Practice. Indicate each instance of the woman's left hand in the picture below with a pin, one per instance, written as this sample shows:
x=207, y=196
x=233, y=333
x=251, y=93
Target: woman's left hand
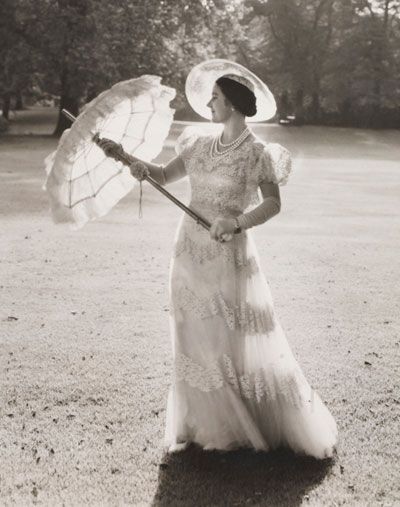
x=222, y=226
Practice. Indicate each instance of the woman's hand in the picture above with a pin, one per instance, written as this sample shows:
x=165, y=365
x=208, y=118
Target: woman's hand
x=139, y=170
x=221, y=227
x=110, y=148
x=114, y=150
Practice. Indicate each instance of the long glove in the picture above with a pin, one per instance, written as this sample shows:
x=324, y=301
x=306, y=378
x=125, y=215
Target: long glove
x=270, y=207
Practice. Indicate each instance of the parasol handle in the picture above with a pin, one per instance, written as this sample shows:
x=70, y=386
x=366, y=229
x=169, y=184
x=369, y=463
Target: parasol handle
x=125, y=159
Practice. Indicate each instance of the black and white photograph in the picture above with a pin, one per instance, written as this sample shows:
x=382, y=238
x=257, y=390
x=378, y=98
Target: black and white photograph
x=200, y=221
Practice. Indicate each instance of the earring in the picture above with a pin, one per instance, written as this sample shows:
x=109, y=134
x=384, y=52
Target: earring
x=233, y=108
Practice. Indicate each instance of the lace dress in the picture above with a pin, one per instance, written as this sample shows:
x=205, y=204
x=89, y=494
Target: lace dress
x=236, y=382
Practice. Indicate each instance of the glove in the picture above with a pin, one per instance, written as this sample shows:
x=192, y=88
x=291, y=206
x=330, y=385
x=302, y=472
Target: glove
x=263, y=212
x=139, y=170
x=110, y=148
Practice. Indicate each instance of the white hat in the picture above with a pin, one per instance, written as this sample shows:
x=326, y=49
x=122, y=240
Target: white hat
x=201, y=79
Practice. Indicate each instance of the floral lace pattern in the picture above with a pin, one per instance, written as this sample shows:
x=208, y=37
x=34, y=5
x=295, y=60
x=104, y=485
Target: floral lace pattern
x=231, y=181
x=275, y=164
x=241, y=316
x=262, y=383
x=210, y=250
x=236, y=382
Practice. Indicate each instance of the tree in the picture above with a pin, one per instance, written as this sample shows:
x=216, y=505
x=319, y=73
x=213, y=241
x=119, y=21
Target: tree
x=327, y=57
x=363, y=71
x=330, y=55
x=380, y=22
x=87, y=45
x=17, y=71
x=299, y=35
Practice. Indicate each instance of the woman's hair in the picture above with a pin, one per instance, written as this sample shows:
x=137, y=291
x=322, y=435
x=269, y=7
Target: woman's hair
x=241, y=97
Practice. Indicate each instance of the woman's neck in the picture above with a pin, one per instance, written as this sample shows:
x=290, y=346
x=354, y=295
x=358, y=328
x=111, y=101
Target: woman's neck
x=232, y=130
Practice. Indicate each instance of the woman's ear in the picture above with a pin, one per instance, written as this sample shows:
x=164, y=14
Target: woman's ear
x=228, y=104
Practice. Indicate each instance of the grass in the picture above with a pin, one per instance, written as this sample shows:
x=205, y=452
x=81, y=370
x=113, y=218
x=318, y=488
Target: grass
x=85, y=346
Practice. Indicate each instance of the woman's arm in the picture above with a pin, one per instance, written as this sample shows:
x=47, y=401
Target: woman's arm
x=163, y=175
x=270, y=207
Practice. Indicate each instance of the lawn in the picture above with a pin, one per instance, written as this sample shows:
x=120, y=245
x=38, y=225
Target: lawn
x=85, y=346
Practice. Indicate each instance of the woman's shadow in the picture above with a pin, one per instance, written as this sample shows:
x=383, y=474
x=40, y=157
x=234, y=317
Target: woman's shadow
x=203, y=478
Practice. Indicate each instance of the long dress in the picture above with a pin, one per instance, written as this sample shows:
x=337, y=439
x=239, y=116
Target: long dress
x=236, y=383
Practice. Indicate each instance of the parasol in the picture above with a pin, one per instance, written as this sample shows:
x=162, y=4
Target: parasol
x=83, y=183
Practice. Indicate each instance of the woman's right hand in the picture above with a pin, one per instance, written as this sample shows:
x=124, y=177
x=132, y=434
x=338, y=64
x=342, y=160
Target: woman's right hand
x=110, y=147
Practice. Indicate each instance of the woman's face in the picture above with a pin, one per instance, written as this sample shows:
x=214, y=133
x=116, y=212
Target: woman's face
x=220, y=107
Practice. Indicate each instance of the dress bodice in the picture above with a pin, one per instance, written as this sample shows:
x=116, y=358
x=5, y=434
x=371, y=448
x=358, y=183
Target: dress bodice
x=228, y=183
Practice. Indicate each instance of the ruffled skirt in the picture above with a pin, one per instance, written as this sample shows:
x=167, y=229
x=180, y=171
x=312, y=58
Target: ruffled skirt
x=236, y=383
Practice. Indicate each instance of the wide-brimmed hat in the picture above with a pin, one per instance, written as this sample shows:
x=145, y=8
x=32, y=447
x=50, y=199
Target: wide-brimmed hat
x=201, y=79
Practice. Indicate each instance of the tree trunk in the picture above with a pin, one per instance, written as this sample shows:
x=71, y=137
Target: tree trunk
x=299, y=106
x=6, y=105
x=19, y=105
x=72, y=105
x=315, y=106
x=67, y=101
x=284, y=106
x=345, y=111
x=379, y=65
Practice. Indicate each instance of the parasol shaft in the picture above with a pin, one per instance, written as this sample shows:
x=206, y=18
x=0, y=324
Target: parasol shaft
x=124, y=158
x=68, y=115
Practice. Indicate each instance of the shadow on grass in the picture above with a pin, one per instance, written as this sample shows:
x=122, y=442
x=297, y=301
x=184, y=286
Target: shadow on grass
x=204, y=478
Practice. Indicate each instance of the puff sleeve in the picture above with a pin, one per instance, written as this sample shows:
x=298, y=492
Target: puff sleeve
x=185, y=142
x=274, y=164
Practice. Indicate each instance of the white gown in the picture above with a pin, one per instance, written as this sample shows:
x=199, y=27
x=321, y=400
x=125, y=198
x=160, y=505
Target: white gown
x=236, y=383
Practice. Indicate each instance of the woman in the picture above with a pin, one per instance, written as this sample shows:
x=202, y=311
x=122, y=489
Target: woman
x=236, y=383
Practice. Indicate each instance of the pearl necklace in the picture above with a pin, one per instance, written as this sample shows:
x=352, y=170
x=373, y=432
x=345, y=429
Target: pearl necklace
x=215, y=152
x=244, y=132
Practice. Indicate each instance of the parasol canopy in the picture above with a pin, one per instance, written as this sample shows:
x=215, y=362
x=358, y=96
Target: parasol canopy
x=82, y=182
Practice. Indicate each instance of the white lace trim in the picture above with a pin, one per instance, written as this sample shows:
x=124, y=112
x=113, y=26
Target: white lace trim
x=230, y=181
x=275, y=164
x=242, y=316
x=186, y=141
x=209, y=251
x=233, y=179
x=270, y=383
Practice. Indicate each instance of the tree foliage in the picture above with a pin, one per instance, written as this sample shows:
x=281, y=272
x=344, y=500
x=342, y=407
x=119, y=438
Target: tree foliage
x=332, y=57
x=325, y=60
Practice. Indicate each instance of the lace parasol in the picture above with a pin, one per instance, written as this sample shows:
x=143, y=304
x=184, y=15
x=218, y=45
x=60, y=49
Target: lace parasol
x=82, y=182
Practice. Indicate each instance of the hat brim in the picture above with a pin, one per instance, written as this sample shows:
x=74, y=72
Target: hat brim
x=201, y=79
